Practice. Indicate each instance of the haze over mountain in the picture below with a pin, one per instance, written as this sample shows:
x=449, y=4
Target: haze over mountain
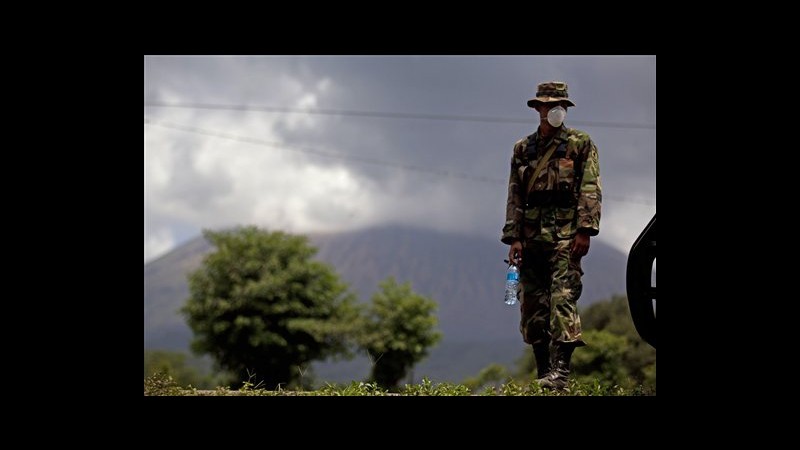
x=463, y=274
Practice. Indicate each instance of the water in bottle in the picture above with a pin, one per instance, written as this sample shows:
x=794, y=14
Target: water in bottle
x=512, y=282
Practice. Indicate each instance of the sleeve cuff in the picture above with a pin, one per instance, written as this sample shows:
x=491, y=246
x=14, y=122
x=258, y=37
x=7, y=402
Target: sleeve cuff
x=510, y=233
x=508, y=240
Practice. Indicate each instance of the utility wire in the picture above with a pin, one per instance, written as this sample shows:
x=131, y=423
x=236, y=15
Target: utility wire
x=362, y=159
x=328, y=154
x=386, y=115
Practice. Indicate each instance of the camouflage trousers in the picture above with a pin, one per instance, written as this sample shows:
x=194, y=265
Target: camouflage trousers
x=550, y=280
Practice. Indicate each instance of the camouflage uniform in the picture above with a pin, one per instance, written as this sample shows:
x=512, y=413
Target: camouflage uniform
x=564, y=198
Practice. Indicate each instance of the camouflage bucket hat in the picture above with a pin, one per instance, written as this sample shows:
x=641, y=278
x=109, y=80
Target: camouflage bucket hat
x=553, y=91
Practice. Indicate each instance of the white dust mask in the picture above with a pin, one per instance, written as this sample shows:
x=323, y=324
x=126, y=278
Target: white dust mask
x=555, y=116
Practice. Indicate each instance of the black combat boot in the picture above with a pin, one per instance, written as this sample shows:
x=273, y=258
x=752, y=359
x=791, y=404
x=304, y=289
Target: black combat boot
x=542, y=354
x=560, y=353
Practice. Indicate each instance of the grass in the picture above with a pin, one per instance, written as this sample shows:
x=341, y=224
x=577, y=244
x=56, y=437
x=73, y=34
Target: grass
x=164, y=385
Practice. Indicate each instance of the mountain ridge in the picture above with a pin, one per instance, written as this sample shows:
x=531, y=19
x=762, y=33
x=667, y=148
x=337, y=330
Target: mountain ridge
x=464, y=274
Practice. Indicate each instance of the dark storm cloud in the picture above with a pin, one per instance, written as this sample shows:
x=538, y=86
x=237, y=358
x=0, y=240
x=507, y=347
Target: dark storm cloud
x=605, y=89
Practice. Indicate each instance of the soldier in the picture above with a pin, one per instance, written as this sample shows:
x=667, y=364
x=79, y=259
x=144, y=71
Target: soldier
x=553, y=208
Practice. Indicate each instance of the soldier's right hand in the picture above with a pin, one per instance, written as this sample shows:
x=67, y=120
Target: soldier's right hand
x=515, y=253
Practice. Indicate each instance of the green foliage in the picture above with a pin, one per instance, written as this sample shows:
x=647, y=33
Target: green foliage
x=260, y=305
x=175, y=364
x=512, y=389
x=637, y=357
x=441, y=389
x=574, y=388
x=603, y=360
x=172, y=364
x=161, y=384
x=493, y=373
x=397, y=330
x=593, y=388
x=613, y=316
x=615, y=355
x=355, y=388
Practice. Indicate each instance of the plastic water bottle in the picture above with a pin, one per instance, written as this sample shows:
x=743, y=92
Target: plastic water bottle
x=512, y=282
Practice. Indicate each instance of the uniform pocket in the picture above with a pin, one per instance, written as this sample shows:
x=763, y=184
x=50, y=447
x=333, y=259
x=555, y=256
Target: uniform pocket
x=563, y=214
x=565, y=222
x=531, y=224
x=532, y=214
x=566, y=174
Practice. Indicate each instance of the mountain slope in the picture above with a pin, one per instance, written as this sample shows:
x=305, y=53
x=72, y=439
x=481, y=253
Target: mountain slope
x=463, y=274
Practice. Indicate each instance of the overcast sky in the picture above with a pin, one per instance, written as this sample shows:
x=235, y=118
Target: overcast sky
x=301, y=172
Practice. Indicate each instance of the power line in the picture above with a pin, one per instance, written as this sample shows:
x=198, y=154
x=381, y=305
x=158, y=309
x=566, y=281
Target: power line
x=387, y=115
x=327, y=154
x=362, y=159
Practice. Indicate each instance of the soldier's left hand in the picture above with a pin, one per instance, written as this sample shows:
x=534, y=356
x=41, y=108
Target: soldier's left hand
x=581, y=245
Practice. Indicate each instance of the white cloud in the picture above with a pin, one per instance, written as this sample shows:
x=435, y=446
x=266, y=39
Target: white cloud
x=214, y=182
x=157, y=242
x=622, y=223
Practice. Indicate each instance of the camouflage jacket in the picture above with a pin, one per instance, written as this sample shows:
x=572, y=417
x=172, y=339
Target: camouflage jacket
x=566, y=195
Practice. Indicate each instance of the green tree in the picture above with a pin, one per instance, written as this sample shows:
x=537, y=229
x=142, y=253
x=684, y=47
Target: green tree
x=603, y=359
x=397, y=330
x=639, y=358
x=260, y=305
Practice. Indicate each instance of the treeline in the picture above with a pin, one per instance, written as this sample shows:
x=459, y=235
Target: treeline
x=264, y=310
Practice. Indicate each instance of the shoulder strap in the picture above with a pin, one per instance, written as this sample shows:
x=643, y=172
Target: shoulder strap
x=539, y=167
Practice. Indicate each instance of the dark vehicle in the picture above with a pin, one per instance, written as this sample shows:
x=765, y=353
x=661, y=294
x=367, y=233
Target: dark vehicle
x=641, y=294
